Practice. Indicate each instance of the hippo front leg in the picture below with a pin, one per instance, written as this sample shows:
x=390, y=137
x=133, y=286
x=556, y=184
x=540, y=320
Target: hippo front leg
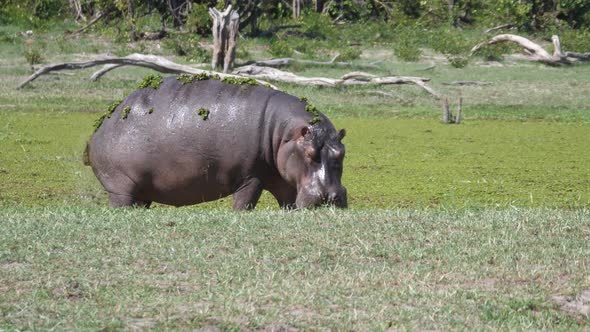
x=119, y=201
x=285, y=196
x=247, y=196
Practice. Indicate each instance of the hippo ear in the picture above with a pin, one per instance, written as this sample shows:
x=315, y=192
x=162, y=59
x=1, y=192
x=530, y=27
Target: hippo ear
x=306, y=133
x=341, y=133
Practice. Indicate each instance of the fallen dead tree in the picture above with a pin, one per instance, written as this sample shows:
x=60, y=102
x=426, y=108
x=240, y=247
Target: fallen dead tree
x=534, y=52
x=480, y=83
x=283, y=62
x=148, y=61
x=261, y=74
x=96, y=18
x=354, y=78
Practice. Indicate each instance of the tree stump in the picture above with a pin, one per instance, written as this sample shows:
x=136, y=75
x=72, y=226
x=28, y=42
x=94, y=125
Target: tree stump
x=447, y=115
x=296, y=8
x=446, y=112
x=225, y=33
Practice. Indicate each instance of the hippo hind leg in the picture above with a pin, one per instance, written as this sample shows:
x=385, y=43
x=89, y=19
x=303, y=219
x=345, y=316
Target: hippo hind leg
x=121, y=200
x=123, y=191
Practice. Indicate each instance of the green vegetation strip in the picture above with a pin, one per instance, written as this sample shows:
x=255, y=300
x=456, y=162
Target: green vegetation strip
x=151, y=80
x=389, y=163
x=203, y=113
x=171, y=269
x=125, y=112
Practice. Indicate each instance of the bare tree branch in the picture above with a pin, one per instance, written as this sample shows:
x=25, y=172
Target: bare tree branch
x=92, y=22
x=261, y=74
x=148, y=61
x=355, y=78
x=282, y=62
x=467, y=83
x=535, y=52
x=104, y=70
x=499, y=27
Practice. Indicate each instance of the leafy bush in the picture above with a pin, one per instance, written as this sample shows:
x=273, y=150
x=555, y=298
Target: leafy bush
x=188, y=47
x=458, y=61
x=46, y=9
x=7, y=37
x=316, y=25
x=453, y=43
x=242, y=53
x=280, y=49
x=407, y=50
x=309, y=47
x=406, y=44
x=349, y=54
x=33, y=56
x=31, y=13
x=575, y=40
x=198, y=19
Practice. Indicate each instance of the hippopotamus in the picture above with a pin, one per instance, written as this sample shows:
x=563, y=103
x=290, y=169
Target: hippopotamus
x=188, y=139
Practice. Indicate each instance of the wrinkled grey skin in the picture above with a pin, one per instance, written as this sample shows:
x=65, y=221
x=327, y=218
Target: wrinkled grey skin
x=254, y=139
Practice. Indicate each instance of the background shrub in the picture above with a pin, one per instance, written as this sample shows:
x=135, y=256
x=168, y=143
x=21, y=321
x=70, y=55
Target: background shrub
x=280, y=49
x=349, y=54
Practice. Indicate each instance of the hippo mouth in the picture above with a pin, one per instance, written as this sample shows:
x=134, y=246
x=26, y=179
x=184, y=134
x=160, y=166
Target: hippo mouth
x=333, y=199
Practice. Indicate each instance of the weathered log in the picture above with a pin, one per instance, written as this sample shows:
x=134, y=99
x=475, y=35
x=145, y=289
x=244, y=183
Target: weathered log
x=381, y=93
x=354, y=78
x=578, y=56
x=148, y=61
x=104, y=70
x=75, y=4
x=225, y=33
x=459, y=111
x=431, y=67
x=499, y=27
x=467, y=83
x=261, y=74
x=270, y=32
x=282, y=62
x=446, y=112
x=91, y=23
x=534, y=51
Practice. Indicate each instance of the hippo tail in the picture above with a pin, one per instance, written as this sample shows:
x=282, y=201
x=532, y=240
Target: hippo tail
x=86, y=155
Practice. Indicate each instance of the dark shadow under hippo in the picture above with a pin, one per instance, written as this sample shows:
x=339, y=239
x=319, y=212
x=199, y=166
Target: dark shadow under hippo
x=190, y=140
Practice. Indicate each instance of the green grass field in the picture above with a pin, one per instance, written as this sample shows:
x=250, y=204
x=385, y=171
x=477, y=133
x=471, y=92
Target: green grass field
x=482, y=225
x=168, y=269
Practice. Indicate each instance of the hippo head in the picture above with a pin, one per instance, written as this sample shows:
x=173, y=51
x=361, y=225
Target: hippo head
x=312, y=162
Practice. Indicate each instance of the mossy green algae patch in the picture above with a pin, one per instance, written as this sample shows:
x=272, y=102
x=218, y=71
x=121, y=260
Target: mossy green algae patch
x=152, y=80
x=313, y=111
x=389, y=163
x=422, y=163
x=107, y=115
x=188, y=78
x=125, y=112
x=203, y=113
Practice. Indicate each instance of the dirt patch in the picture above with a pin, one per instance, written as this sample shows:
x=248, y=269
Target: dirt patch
x=303, y=313
x=578, y=306
x=279, y=328
x=12, y=265
x=141, y=324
